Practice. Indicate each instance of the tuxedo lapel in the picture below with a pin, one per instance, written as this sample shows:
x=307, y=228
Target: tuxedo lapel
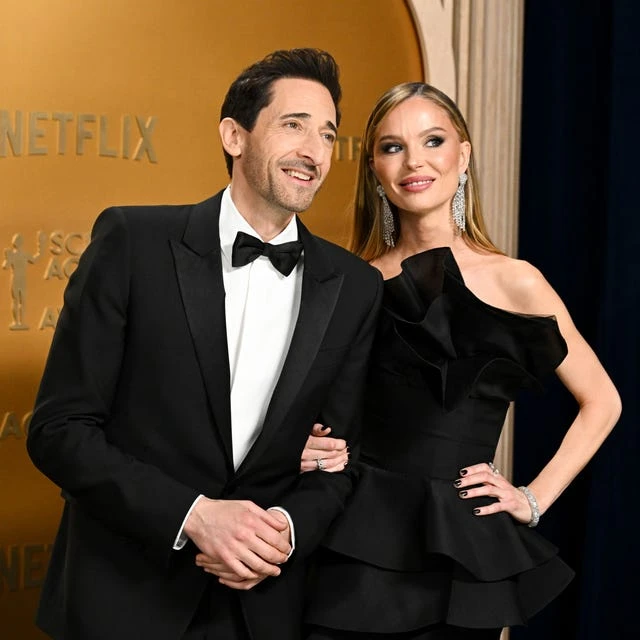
x=320, y=289
x=199, y=269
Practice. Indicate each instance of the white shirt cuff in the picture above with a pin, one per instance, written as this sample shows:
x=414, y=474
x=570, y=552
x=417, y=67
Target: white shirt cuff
x=292, y=531
x=181, y=538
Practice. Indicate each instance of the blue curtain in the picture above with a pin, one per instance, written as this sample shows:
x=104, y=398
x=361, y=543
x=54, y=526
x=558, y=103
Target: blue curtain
x=580, y=225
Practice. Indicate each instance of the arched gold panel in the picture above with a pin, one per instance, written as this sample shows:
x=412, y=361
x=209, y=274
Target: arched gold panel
x=117, y=102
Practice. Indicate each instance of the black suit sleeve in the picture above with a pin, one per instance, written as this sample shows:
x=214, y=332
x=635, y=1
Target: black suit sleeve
x=320, y=496
x=67, y=438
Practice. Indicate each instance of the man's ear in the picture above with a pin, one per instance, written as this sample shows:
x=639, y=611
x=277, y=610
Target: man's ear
x=232, y=137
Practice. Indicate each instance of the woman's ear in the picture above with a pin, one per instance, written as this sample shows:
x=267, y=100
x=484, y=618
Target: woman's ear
x=373, y=171
x=232, y=137
x=465, y=155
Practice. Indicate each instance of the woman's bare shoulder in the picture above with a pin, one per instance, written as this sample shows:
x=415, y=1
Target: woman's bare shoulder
x=525, y=286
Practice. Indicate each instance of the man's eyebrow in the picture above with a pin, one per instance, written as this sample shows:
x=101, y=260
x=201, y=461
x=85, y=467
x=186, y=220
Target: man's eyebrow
x=332, y=126
x=305, y=116
x=302, y=115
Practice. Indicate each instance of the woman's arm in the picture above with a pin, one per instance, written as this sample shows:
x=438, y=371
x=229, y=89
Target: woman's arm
x=582, y=374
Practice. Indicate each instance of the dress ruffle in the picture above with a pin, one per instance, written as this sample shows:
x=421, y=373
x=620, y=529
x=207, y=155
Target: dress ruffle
x=476, y=349
x=408, y=552
x=418, y=517
x=381, y=601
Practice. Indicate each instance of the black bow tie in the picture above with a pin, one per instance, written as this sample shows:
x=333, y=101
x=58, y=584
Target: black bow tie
x=283, y=257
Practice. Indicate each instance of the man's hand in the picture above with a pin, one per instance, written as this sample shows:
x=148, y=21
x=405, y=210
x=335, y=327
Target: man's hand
x=284, y=523
x=230, y=579
x=240, y=542
x=226, y=575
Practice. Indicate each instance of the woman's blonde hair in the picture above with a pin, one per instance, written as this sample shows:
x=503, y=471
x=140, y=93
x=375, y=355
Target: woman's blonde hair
x=366, y=235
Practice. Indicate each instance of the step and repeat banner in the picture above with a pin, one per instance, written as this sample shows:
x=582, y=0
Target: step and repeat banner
x=117, y=102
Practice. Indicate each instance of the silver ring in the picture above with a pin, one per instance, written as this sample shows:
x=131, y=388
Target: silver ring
x=320, y=464
x=494, y=469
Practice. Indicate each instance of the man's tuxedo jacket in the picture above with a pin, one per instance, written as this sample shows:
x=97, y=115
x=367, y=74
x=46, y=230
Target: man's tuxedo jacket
x=132, y=421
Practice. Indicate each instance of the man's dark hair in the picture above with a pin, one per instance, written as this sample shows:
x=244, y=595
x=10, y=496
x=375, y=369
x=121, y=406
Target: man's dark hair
x=252, y=91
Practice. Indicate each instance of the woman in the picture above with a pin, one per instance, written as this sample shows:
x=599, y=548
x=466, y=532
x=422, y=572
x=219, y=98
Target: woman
x=434, y=543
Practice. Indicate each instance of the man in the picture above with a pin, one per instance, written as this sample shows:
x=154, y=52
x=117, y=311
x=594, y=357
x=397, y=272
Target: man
x=188, y=366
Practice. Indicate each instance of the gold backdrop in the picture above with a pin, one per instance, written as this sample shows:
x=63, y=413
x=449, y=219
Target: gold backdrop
x=116, y=102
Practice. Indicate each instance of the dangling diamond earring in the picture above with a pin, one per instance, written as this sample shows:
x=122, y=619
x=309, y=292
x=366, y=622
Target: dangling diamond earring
x=458, y=205
x=388, y=228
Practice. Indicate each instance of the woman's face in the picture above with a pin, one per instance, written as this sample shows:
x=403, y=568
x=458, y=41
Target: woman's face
x=418, y=156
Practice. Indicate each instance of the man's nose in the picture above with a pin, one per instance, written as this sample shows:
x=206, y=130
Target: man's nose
x=314, y=147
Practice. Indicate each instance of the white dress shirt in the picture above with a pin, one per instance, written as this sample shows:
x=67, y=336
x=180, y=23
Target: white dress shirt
x=261, y=310
x=261, y=307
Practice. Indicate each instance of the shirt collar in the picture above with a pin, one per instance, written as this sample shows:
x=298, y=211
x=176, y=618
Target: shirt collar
x=231, y=221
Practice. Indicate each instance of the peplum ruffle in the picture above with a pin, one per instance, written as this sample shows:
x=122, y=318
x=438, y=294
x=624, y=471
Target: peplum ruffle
x=408, y=552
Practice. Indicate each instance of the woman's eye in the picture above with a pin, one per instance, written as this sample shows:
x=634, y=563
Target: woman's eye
x=391, y=148
x=435, y=141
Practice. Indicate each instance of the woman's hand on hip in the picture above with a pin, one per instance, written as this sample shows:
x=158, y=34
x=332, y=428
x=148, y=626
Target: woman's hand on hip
x=485, y=480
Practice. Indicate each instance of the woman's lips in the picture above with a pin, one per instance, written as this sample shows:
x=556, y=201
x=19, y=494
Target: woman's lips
x=417, y=183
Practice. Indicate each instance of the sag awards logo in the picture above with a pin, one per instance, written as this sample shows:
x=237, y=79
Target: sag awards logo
x=52, y=257
x=58, y=253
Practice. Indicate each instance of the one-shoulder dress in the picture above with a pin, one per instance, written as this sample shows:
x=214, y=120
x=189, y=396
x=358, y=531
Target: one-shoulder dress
x=408, y=553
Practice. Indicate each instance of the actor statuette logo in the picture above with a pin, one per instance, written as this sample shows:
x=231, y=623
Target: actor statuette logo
x=56, y=257
x=17, y=259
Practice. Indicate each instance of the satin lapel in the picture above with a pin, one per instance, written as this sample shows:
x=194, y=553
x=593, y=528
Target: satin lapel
x=321, y=286
x=199, y=268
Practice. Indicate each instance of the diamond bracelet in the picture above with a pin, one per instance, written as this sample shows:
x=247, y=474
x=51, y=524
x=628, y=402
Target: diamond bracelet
x=533, y=505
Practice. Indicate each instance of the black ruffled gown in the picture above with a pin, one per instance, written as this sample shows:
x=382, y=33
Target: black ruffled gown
x=408, y=553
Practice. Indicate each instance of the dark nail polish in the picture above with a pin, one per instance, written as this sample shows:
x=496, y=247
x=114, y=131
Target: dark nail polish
x=457, y=483
x=463, y=472
x=462, y=494
x=476, y=512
